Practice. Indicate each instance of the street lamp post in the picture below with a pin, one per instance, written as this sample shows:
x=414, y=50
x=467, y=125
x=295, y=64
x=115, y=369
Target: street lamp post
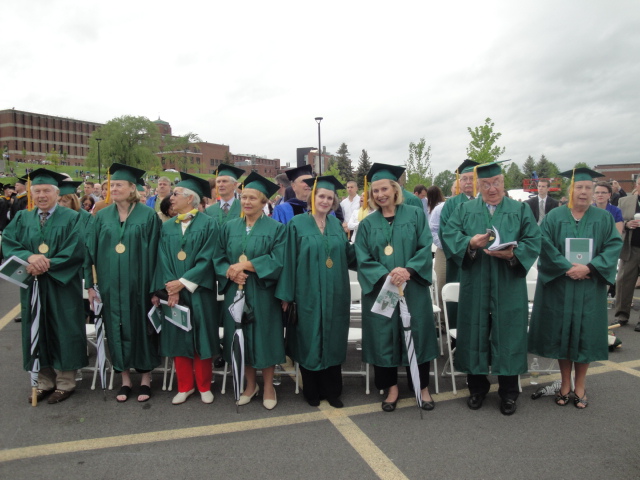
x=99, y=140
x=319, y=119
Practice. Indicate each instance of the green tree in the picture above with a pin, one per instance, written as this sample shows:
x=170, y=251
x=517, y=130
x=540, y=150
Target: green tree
x=529, y=167
x=364, y=165
x=343, y=163
x=513, y=178
x=128, y=140
x=227, y=160
x=445, y=180
x=176, y=150
x=335, y=171
x=482, y=148
x=581, y=165
x=419, y=165
x=545, y=168
x=54, y=158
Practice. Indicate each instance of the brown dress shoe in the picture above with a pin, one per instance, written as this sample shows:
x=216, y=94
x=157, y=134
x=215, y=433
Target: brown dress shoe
x=40, y=395
x=59, y=396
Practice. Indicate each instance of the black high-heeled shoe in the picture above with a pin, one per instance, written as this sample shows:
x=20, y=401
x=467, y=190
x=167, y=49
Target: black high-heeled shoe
x=428, y=406
x=389, y=406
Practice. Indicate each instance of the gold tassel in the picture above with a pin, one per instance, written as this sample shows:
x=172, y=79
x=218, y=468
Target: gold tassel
x=241, y=190
x=313, y=197
x=573, y=175
x=475, y=181
x=30, y=204
x=107, y=199
x=457, y=190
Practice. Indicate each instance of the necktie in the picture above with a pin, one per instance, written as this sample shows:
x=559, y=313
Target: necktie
x=225, y=207
x=541, y=213
x=43, y=218
x=492, y=208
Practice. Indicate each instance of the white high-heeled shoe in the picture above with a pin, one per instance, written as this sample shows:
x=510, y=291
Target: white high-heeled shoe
x=270, y=404
x=206, y=397
x=181, y=397
x=244, y=399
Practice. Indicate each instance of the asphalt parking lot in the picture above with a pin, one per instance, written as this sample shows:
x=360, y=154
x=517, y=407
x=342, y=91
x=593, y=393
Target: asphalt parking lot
x=89, y=436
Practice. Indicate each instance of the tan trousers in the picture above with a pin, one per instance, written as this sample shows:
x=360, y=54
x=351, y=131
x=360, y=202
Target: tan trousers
x=626, y=283
x=49, y=379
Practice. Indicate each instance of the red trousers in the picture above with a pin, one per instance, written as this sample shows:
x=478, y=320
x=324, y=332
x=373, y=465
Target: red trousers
x=193, y=371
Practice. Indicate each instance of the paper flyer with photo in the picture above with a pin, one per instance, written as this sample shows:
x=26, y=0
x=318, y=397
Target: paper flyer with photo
x=388, y=298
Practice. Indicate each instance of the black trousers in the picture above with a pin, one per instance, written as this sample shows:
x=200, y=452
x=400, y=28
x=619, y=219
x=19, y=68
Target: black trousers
x=508, y=386
x=322, y=384
x=386, y=377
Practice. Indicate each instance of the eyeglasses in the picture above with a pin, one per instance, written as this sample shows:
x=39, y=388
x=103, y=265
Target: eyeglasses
x=175, y=194
x=487, y=185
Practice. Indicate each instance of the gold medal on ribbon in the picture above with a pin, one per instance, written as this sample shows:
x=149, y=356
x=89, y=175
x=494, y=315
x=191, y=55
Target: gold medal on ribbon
x=43, y=248
x=120, y=248
x=329, y=263
x=182, y=255
x=388, y=250
x=243, y=258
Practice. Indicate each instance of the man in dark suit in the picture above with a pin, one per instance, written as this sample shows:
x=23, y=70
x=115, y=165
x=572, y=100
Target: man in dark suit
x=629, y=258
x=543, y=200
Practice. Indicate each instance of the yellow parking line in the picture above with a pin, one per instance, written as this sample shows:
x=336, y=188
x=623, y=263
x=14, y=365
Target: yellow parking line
x=361, y=443
x=626, y=367
x=159, y=436
x=9, y=316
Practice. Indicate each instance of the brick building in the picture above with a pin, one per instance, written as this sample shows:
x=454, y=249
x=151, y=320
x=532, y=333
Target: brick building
x=29, y=137
x=624, y=173
x=255, y=163
x=309, y=156
x=201, y=157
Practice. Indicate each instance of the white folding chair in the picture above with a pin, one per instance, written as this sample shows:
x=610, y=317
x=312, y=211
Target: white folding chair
x=437, y=310
x=450, y=293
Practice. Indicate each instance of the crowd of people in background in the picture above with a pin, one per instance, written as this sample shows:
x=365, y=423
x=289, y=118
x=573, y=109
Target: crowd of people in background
x=289, y=246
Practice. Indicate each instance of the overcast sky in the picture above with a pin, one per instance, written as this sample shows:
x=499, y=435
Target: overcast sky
x=560, y=78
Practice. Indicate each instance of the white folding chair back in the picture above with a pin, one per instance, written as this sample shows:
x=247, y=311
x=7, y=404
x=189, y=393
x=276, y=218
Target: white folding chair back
x=450, y=293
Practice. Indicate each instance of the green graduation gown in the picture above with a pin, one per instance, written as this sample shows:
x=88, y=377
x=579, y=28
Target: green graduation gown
x=200, y=243
x=452, y=270
x=322, y=295
x=383, y=338
x=264, y=338
x=124, y=280
x=492, y=332
x=215, y=212
x=63, y=342
x=569, y=319
x=411, y=199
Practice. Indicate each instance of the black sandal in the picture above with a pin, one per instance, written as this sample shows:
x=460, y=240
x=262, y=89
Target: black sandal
x=577, y=401
x=562, y=398
x=144, y=390
x=125, y=391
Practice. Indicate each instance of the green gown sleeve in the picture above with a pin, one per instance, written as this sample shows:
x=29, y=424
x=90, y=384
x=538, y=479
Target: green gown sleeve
x=200, y=273
x=553, y=263
x=220, y=261
x=268, y=267
x=370, y=271
x=528, y=248
x=286, y=289
x=606, y=262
